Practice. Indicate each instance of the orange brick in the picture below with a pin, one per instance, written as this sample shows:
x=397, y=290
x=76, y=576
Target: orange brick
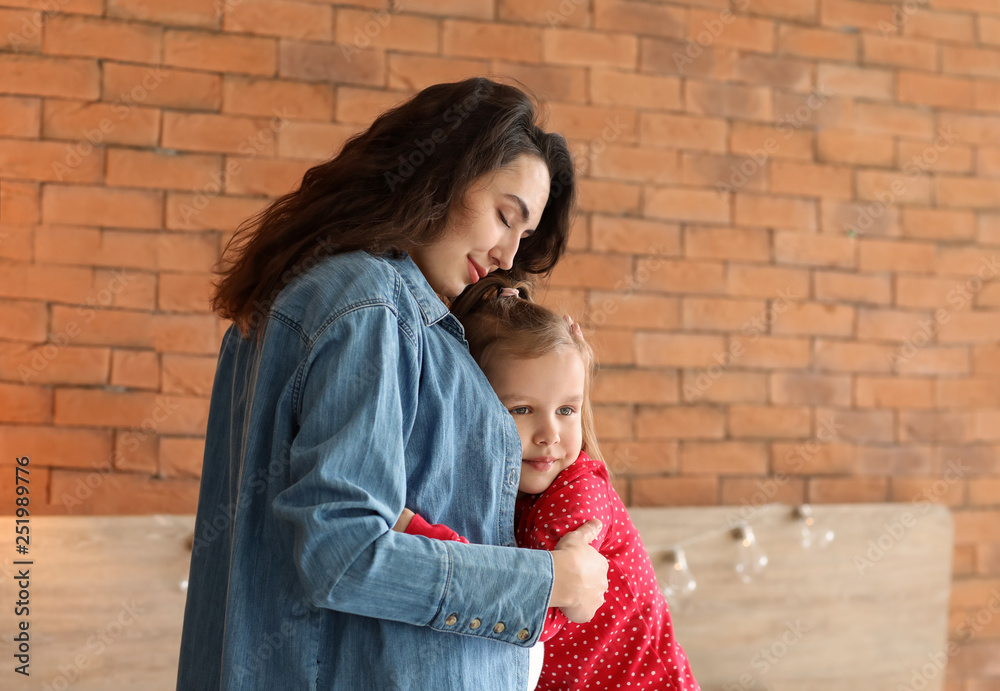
x=181, y=457
x=728, y=100
x=247, y=96
x=922, y=291
x=104, y=327
x=547, y=12
x=766, y=281
x=476, y=9
x=899, y=52
x=859, y=425
x=772, y=353
x=101, y=206
x=21, y=30
x=816, y=43
x=683, y=276
x=222, y=133
x=779, y=72
x=820, y=109
x=362, y=106
x=813, y=457
x=25, y=403
x=769, y=421
x=187, y=252
x=810, y=389
x=217, y=52
x=889, y=188
x=706, y=134
x=989, y=30
x=678, y=349
x=37, y=281
x=199, y=212
x=47, y=76
x=390, y=31
x=566, y=84
x=101, y=38
x=775, y=212
x=55, y=447
x=687, y=58
x=636, y=457
x=975, y=128
x=849, y=147
x=639, y=18
x=117, y=288
x=855, y=81
x=948, y=26
x=838, y=356
x=613, y=422
x=263, y=176
x=635, y=386
x=26, y=321
x=617, y=88
x=740, y=32
x=936, y=426
x=468, y=39
x=680, y=422
x=721, y=314
x=136, y=451
x=854, y=14
x=847, y=490
x=864, y=219
x=19, y=117
x=724, y=458
x=966, y=393
x=135, y=369
x=921, y=222
x=184, y=293
x=753, y=492
x=893, y=392
x=285, y=18
x=575, y=47
x=791, y=177
x=122, y=494
x=966, y=192
x=781, y=141
x=811, y=249
x=911, y=459
x=612, y=346
x=50, y=161
x=724, y=173
x=837, y=286
x=984, y=491
x=200, y=13
x=131, y=168
x=410, y=72
x=726, y=243
x=90, y=246
x=906, y=121
x=143, y=411
x=159, y=86
x=593, y=271
x=312, y=140
x=675, y=491
x=49, y=364
x=971, y=61
x=605, y=196
x=101, y=123
x=934, y=90
x=889, y=255
x=638, y=236
x=706, y=206
x=593, y=123
x=892, y=325
x=936, y=361
x=635, y=164
x=188, y=374
x=629, y=309
x=731, y=386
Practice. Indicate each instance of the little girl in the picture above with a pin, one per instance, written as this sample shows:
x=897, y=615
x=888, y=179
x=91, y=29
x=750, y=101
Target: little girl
x=541, y=368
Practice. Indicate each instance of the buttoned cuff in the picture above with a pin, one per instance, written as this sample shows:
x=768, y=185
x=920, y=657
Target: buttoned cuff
x=500, y=593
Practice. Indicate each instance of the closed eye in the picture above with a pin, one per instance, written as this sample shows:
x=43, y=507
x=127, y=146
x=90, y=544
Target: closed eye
x=503, y=219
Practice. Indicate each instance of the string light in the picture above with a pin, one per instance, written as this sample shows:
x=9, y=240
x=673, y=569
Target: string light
x=676, y=580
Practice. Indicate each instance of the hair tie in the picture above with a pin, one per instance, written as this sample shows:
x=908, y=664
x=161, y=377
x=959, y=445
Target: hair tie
x=510, y=292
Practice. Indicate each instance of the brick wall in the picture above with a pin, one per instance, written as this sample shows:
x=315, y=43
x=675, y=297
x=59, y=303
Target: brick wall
x=785, y=251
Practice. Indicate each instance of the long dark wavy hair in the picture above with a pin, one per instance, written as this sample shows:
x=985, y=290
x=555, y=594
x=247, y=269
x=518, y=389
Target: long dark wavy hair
x=391, y=188
x=504, y=327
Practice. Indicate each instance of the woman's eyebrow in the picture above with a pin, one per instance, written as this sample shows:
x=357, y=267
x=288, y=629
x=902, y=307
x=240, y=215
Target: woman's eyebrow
x=520, y=205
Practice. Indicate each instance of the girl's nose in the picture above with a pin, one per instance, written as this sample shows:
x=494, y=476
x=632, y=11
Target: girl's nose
x=547, y=435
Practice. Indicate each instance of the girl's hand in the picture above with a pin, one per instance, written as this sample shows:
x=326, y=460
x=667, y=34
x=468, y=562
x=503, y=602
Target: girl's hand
x=404, y=520
x=574, y=327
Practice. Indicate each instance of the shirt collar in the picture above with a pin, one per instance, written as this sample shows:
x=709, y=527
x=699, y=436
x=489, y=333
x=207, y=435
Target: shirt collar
x=431, y=306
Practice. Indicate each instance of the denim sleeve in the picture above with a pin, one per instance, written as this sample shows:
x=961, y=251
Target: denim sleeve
x=358, y=397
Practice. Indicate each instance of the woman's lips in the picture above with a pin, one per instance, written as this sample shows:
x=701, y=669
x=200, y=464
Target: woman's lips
x=475, y=271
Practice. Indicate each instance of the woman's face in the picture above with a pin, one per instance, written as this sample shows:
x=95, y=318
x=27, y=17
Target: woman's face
x=504, y=208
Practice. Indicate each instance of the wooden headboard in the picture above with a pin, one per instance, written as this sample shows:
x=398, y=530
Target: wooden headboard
x=107, y=602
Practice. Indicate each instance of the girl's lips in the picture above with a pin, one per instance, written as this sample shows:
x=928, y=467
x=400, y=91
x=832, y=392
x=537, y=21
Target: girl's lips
x=540, y=464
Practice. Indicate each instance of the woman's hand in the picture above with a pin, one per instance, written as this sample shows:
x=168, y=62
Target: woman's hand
x=581, y=574
x=404, y=520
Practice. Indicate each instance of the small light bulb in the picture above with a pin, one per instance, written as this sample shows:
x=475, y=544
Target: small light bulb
x=812, y=534
x=676, y=580
x=750, y=559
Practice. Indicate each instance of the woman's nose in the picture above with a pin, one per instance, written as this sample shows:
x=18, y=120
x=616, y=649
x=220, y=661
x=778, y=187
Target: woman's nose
x=505, y=250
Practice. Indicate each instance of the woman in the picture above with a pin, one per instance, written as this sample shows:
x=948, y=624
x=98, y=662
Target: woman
x=345, y=391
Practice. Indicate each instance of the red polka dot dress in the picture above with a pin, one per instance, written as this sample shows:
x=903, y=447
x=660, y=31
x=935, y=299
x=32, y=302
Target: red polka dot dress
x=629, y=644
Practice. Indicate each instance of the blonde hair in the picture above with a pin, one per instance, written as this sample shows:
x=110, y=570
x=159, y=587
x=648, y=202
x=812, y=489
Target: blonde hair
x=503, y=327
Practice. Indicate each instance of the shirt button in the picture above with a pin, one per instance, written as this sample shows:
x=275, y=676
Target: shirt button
x=523, y=634
x=452, y=618
x=499, y=627
x=475, y=624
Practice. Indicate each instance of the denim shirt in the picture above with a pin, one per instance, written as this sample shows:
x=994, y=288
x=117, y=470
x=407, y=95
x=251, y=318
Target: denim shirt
x=361, y=399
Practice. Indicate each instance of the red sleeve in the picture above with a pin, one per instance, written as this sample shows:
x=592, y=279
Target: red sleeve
x=562, y=512
x=418, y=526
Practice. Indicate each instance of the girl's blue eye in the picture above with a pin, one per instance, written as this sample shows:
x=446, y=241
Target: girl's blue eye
x=566, y=410
x=503, y=219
